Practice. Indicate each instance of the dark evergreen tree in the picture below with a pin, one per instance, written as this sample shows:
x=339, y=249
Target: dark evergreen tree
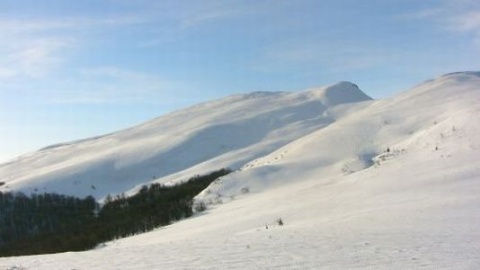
x=49, y=223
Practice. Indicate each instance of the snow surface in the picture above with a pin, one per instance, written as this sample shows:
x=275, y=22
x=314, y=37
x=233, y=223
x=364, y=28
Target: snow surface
x=388, y=184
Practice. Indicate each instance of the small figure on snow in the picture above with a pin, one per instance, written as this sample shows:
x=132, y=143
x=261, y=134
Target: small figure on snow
x=280, y=222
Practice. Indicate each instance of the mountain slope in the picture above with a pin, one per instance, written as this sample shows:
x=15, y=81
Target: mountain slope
x=223, y=133
x=390, y=184
x=425, y=118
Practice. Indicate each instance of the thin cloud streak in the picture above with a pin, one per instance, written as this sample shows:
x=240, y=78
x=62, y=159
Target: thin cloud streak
x=40, y=25
x=32, y=58
x=40, y=56
x=36, y=48
x=454, y=16
x=187, y=18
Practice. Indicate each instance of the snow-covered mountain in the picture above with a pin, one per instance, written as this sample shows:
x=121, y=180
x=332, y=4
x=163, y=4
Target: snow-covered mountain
x=225, y=133
x=360, y=184
x=426, y=118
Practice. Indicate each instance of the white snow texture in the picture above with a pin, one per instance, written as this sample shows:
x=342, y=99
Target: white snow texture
x=359, y=183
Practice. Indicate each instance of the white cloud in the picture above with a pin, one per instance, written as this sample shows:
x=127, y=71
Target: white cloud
x=31, y=57
x=179, y=18
x=466, y=22
x=45, y=25
x=455, y=16
x=42, y=49
x=6, y=73
x=34, y=48
x=27, y=51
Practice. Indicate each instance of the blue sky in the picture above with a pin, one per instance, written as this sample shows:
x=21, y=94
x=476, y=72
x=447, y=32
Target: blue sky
x=73, y=69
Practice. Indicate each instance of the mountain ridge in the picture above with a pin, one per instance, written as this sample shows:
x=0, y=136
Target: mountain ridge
x=208, y=132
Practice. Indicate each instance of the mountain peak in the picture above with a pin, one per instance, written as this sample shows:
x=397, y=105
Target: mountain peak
x=339, y=93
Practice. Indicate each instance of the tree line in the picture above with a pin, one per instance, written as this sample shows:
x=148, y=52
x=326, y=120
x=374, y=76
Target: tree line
x=51, y=223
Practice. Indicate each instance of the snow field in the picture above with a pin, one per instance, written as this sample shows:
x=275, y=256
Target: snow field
x=388, y=184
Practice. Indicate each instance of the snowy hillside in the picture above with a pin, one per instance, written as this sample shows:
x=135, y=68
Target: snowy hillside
x=387, y=184
x=224, y=133
x=426, y=118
